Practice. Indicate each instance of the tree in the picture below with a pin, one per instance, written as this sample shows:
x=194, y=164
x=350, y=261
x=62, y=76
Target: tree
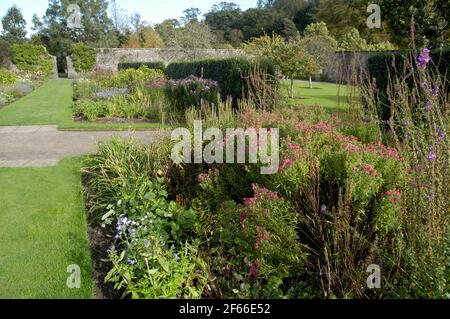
x=168, y=31
x=353, y=41
x=224, y=22
x=320, y=45
x=290, y=57
x=431, y=20
x=190, y=14
x=134, y=41
x=119, y=17
x=195, y=35
x=151, y=38
x=96, y=28
x=306, y=15
x=14, y=26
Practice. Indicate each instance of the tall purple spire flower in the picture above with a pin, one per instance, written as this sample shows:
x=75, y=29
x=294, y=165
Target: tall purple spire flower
x=424, y=58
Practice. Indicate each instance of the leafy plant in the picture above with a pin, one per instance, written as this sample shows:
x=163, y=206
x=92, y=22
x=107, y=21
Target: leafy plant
x=83, y=57
x=33, y=58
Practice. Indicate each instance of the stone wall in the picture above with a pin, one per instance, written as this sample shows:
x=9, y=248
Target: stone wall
x=107, y=60
x=344, y=66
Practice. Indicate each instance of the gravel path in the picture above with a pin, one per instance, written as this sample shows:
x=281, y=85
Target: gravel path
x=39, y=146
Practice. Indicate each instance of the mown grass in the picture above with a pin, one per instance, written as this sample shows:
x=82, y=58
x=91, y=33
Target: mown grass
x=332, y=97
x=43, y=231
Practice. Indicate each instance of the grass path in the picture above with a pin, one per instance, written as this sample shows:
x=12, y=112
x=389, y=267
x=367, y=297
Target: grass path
x=51, y=104
x=43, y=231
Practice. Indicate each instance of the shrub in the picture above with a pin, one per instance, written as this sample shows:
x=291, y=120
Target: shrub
x=83, y=57
x=192, y=91
x=136, y=65
x=31, y=58
x=229, y=73
x=258, y=245
x=7, y=77
x=131, y=77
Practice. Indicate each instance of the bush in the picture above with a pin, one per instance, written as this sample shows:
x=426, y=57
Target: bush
x=83, y=57
x=7, y=77
x=229, y=73
x=132, y=77
x=32, y=58
x=136, y=65
x=192, y=91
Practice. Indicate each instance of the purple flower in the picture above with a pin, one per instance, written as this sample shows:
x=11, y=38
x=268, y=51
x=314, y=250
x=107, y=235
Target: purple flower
x=435, y=90
x=132, y=261
x=323, y=209
x=431, y=156
x=441, y=134
x=428, y=107
x=430, y=195
x=424, y=58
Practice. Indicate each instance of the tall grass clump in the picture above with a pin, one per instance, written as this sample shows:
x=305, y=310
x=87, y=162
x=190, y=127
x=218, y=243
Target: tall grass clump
x=418, y=98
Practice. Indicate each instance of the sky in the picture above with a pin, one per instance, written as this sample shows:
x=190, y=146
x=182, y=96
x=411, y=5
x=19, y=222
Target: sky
x=153, y=11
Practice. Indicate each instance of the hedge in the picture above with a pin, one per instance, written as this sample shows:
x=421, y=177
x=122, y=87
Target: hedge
x=230, y=73
x=31, y=58
x=136, y=65
x=83, y=57
x=381, y=65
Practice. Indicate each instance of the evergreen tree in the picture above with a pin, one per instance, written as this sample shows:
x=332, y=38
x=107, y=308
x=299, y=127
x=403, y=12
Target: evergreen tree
x=14, y=26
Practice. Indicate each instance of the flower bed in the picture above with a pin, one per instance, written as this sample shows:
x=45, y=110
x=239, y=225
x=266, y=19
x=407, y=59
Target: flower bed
x=225, y=231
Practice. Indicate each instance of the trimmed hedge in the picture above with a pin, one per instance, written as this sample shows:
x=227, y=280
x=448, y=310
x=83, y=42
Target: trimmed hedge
x=229, y=73
x=381, y=65
x=31, y=58
x=83, y=57
x=136, y=65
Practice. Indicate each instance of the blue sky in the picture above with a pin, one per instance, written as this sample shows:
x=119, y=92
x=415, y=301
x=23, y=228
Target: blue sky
x=151, y=10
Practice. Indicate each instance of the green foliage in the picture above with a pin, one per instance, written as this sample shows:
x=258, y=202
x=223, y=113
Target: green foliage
x=417, y=97
x=130, y=94
x=192, y=91
x=32, y=58
x=14, y=26
x=83, y=57
x=5, y=53
x=154, y=256
x=136, y=65
x=382, y=66
x=132, y=77
x=229, y=73
x=7, y=77
x=260, y=250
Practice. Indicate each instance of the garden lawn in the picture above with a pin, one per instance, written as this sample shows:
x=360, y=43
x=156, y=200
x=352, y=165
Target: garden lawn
x=43, y=231
x=331, y=96
x=51, y=104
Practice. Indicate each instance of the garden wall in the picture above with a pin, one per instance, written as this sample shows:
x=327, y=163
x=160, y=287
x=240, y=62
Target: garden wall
x=107, y=60
x=345, y=67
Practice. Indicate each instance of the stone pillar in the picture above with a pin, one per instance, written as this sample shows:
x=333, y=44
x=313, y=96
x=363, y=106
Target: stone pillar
x=71, y=72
